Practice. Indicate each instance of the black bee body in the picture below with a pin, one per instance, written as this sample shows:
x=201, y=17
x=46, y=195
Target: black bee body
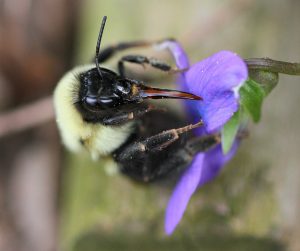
x=107, y=114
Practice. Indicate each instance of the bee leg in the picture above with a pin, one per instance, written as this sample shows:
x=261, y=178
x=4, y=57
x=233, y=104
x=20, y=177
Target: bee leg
x=138, y=159
x=148, y=161
x=181, y=158
x=110, y=51
x=158, y=141
x=166, y=138
x=142, y=60
x=202, y=144
x=122, y=117
x=205, y=143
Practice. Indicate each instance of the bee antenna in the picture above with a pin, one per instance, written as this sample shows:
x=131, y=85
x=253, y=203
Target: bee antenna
x=98, y=46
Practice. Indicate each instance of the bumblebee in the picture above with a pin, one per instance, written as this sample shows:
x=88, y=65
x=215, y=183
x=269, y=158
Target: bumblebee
x=107, y=114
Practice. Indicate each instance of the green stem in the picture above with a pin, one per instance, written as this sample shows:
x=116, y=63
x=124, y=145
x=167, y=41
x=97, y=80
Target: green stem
x=271, y=65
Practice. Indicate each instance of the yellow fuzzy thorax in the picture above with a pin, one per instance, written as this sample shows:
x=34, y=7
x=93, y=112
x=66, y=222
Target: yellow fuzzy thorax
x=77, y=134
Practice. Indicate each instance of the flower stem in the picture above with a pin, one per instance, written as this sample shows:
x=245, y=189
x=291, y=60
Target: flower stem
x=271, y=65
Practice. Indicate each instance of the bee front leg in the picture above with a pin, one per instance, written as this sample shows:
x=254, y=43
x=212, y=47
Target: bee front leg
x=127, y=115
x=142, y=60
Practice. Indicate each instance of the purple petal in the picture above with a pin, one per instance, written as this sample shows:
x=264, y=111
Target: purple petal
x=216, y=79
x=217, y=110
x=183, y=191
x=214, y=161
x=177, y=51
x=219, y=72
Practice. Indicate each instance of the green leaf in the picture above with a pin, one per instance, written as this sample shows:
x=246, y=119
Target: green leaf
x=251, y=98
x=267, y=80
x=229, y=132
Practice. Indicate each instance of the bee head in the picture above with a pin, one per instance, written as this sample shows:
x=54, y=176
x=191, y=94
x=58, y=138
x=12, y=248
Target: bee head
x=109, y=91
x=106, y=91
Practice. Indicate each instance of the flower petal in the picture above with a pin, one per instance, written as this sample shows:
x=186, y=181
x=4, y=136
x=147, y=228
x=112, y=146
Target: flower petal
x=214, y=161
x=218, y=110
x=185, y=188
x=221, y=71
x=216, y=79
x=181, y=59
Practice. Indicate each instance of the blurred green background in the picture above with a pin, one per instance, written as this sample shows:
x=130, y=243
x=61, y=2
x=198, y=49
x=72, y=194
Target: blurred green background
x=255, y=203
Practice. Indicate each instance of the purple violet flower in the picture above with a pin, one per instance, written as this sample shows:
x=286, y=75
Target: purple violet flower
x=217, y=80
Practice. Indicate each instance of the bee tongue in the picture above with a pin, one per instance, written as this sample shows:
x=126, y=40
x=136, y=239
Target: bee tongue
x=156, y=93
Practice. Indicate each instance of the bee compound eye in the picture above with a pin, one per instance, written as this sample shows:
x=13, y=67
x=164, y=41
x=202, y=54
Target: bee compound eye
x=106, y=101
x=91, y=101
x=102, y=103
